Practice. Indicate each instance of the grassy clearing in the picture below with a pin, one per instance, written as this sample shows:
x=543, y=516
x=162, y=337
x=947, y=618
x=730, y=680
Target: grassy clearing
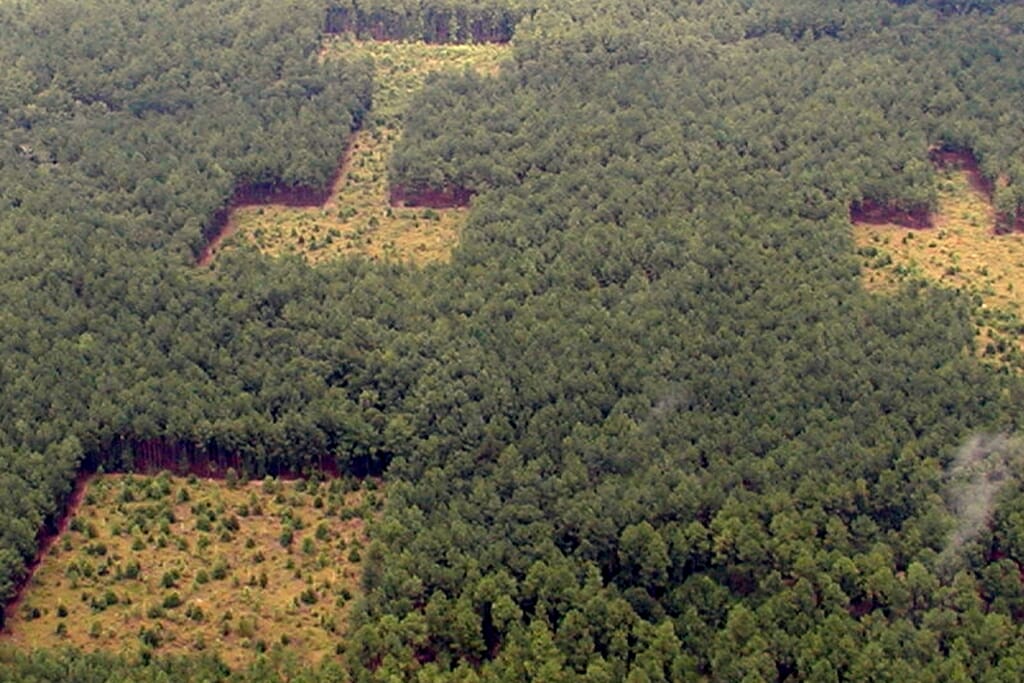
x=358, y=219
x=172, y=565
x=961, y=251
x=401, y=69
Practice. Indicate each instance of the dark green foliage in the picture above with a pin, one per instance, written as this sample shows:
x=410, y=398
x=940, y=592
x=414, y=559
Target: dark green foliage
x=150, y=637
x=170, y=578
x=645, y=426
x=132, y=570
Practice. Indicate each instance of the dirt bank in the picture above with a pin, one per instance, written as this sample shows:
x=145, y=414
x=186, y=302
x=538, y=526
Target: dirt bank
x=48, y=535
x=448, y=197
x=871, y=212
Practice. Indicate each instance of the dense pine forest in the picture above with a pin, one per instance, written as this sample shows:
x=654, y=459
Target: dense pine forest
x=646, y=424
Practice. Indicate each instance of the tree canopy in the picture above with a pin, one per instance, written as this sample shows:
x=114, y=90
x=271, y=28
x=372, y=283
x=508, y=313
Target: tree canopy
x=645, y=426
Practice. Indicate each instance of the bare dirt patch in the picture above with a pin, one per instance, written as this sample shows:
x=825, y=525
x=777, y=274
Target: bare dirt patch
x=171, y=565
x=266, y=195
x=964, y=161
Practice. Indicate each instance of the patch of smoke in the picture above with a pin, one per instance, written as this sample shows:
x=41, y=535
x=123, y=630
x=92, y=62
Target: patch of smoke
x=980, y=470
x=677, y=397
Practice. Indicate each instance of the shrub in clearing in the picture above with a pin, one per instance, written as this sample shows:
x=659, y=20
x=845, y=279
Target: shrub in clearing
x=150, y=637
x=220, y=569
x=246, y=627
x=132, y=570
x=170, y=579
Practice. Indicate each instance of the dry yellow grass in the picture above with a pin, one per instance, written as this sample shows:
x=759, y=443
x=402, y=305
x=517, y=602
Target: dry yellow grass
x=358, y=219
x=961, y=251
x=219, y=550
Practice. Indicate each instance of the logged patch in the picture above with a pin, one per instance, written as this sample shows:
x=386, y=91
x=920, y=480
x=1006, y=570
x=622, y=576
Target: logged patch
x=173, y=565
x=962, y=250
x=360, y=214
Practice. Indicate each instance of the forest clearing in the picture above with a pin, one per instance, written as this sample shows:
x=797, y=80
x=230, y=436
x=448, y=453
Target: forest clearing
x=174, y=565
x=962, y=251
x=358, y=216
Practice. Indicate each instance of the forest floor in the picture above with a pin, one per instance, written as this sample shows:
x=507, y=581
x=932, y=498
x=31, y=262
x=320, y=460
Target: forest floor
x=961, y=251
x=358, y=217
x=173, y=565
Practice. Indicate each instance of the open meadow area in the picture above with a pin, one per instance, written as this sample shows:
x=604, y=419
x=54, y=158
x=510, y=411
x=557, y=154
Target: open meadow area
x=178, y=565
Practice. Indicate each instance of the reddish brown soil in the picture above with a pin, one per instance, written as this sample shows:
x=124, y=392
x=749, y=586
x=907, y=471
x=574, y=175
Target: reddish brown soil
x=219, y=231
x=872, y=213
x=339, y=20
x=151, y=456
x=47, y=537
x=445, y=198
